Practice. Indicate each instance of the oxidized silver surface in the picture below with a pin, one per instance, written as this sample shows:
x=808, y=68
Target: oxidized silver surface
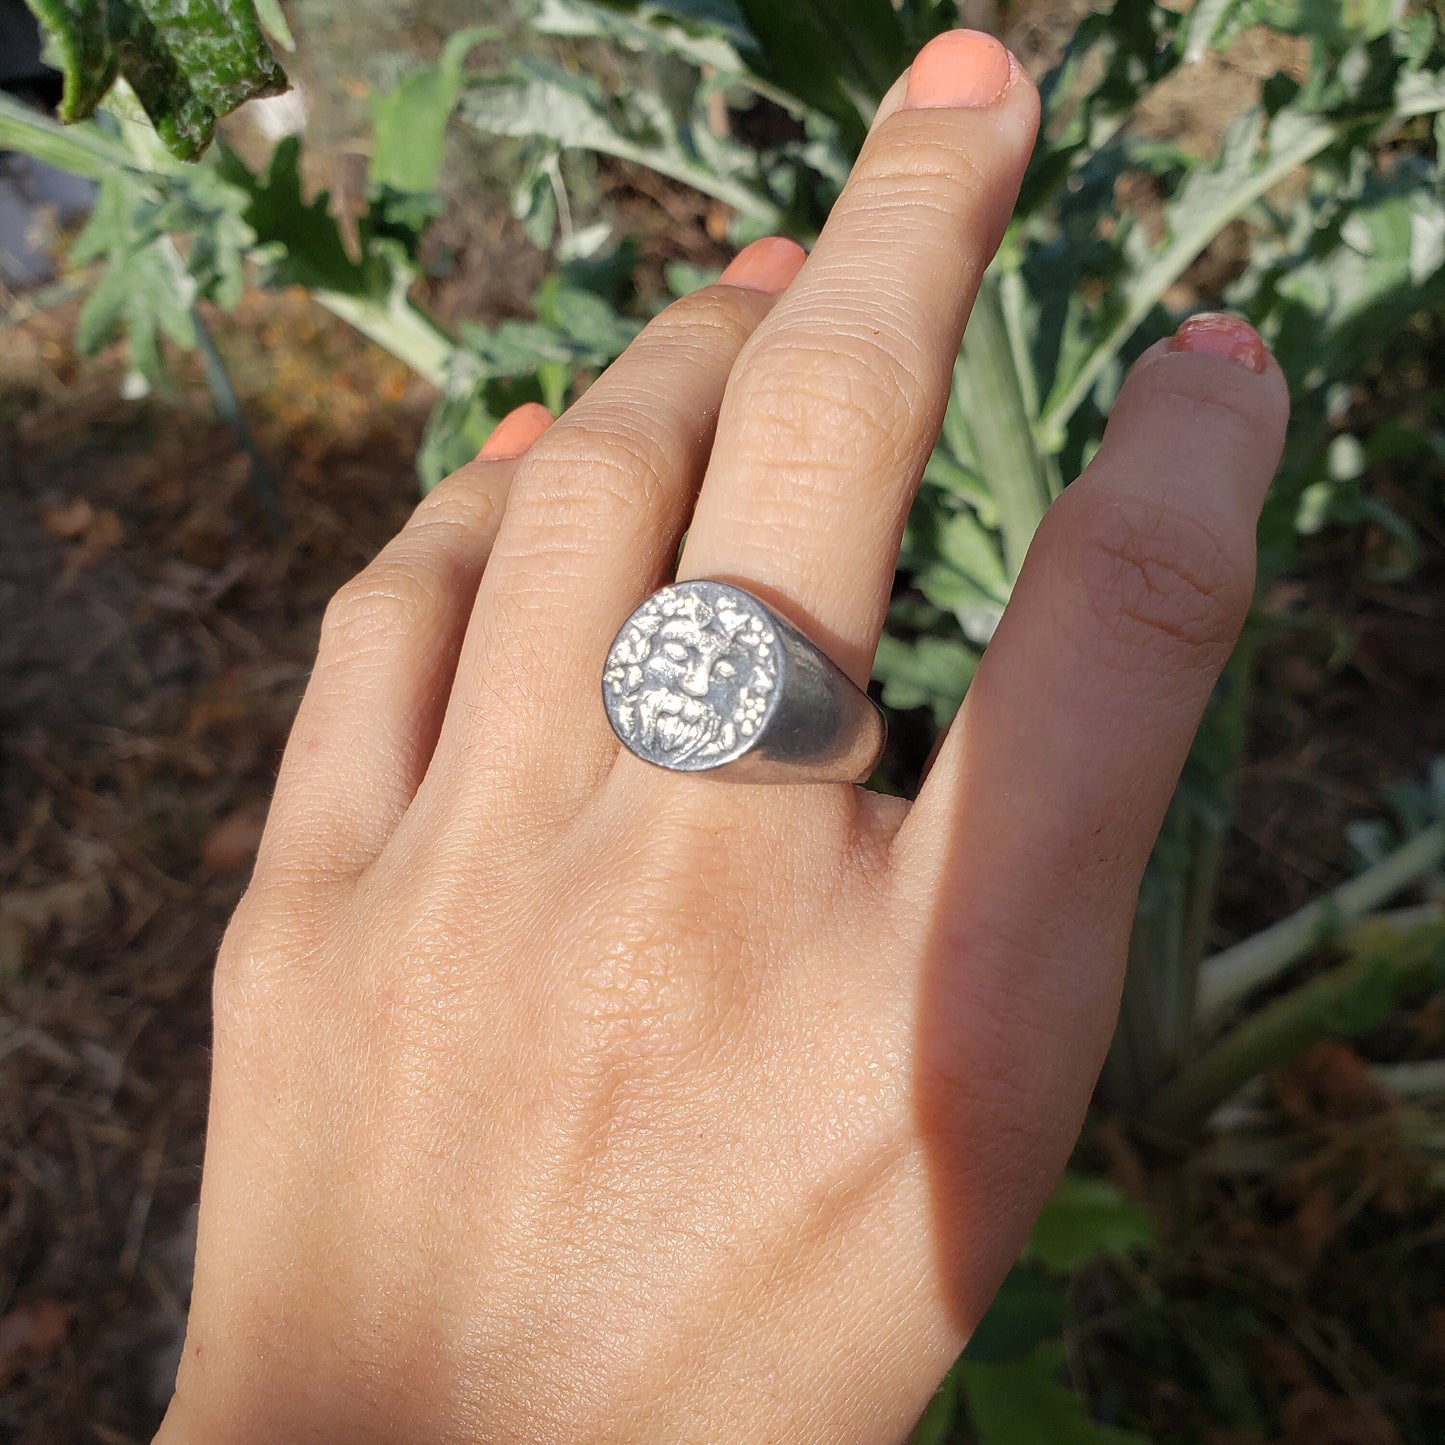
x=703, y=678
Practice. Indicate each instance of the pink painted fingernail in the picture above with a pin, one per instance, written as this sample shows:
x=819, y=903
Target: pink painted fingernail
x=515, y=433
x=768, y=265
x=960, y=68
x=1216, y=333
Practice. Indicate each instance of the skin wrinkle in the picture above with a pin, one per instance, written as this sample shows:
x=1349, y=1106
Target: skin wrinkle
x=1161, y=591
x=1241, y=412
x=927, y=160
x=889, y=353
x=852, y=382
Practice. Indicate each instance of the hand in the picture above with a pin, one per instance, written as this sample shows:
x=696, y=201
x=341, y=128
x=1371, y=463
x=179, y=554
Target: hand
x=558, y=1098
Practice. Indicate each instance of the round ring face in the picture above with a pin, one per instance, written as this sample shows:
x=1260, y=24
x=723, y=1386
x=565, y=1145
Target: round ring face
x=692, y=676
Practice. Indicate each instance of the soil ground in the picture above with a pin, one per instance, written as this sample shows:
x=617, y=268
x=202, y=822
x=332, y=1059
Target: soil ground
x=156, y=631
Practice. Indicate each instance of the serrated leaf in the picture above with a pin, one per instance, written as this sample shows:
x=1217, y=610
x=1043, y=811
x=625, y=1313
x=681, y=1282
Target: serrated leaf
x=143, y=290
x=1086, y=1217
x=1258, y=150
x=586, y=319
x=211, y=210
x=463, y=419
x=188, y=61
x=540, y=101
x=303, y=242
x=1024, y=1403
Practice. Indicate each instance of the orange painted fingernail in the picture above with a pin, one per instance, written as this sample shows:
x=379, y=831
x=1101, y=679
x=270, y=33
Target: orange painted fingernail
x=768, y=265
x=515, y=433
x=960, y=68
x=1216, y=333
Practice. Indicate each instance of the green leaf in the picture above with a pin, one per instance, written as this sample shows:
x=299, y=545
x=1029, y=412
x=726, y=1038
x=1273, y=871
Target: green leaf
x=273, y=22
x=1086, y=1217
x=81, y=40
x=836, y=56
x=409, y=122
x=1336, y=24
x=1365, y=999
x=723, y=17
x=701, y=34
x=1202, y=27
x=1258, y=150
x=933, y=672
x=539, y=101
x=211, y=210
x=1028, y=1309
x=464, y=418
x=144, y=290
x=188, y=61
x=1023, y=1403
x=302, y=242
x=191, y=62
x=939, y=1419
x=956, y=562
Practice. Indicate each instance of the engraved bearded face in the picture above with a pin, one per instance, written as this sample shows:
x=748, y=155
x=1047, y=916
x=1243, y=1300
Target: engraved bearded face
x=691, y=678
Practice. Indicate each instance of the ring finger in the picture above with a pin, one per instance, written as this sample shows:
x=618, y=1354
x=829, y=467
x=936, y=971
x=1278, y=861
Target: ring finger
x=836, y=401
x=592, y=526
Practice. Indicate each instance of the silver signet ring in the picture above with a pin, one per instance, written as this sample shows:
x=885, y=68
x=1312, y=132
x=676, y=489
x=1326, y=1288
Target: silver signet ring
x=703, y=678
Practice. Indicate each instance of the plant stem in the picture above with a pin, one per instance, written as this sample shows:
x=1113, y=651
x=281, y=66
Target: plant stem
x=397, y=327
x=1228, y=976
x=1166, y=948
x=1002, y=425
x=83, y=150
x=1388, y=965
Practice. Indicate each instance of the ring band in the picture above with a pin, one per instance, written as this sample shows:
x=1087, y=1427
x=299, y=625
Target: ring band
x=703, y=678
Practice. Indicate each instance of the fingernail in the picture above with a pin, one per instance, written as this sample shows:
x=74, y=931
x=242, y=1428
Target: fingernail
x=963, y=68
x=1216, y=333
x=767, y=265
x=516, y=432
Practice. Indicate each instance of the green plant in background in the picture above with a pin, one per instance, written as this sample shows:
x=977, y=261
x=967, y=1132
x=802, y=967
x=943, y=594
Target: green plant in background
x=1007, y=1382
x=1337, y=174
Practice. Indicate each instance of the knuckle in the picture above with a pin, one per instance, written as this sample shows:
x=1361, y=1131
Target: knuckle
x=1146, y=584
x=863, y=382
x=912, y=169
x=466, y=498
x=385, y=600
x=582, y=477
x=716, y=318
x=273, y=934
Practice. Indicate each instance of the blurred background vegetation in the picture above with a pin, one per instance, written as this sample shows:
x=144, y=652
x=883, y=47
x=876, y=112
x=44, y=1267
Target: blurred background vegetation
x=240, y=369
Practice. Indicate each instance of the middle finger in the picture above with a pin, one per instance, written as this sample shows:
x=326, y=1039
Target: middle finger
x=836, y=400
